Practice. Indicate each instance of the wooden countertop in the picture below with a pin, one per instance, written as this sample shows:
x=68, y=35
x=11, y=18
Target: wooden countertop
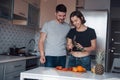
x=4, y=58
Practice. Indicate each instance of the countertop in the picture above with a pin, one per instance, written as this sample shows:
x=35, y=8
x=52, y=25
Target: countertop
x=4, y=58
x=46, y=73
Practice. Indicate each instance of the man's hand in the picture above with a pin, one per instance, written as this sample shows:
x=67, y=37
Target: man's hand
x=42, y=59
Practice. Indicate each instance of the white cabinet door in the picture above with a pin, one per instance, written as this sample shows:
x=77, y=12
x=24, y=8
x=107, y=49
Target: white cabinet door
x=21, y=8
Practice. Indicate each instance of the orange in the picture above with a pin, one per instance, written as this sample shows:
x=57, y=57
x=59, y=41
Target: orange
x=80, y=69
x=59, y=67
x=74, y=69
x=84, y=70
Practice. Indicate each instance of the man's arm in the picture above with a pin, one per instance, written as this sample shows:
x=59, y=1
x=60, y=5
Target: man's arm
x=41, y=46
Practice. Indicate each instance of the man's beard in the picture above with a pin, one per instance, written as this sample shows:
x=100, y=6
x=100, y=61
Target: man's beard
x=60, y=20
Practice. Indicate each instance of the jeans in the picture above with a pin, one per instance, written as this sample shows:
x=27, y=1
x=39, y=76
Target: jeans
x=53, y=61
x=82, y=61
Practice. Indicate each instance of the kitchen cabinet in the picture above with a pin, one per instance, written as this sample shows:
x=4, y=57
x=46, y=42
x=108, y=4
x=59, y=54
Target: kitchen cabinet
x=20, y=12
x=21, y=8
x=93, y=4
x=1, y=71
x=114, y=36
x=33, y=16
x=12, y=69
x=6, y=9
x=35, y=3
x=80, y=4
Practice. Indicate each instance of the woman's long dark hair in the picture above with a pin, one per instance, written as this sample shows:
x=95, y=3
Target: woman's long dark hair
x=79, y=15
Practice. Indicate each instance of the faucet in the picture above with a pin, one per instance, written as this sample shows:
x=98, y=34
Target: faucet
x=31, y=40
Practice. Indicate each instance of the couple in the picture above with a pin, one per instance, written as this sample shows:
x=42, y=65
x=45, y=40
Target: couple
x=52, y=42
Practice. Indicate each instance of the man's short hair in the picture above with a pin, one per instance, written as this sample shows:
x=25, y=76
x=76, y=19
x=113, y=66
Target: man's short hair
x=61, y=8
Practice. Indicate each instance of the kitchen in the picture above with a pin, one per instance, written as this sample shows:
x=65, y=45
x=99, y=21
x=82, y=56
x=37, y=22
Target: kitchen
x=18, y=31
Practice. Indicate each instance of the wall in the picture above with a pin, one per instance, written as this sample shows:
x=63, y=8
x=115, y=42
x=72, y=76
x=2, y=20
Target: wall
x=14, y=35
x=47, y=11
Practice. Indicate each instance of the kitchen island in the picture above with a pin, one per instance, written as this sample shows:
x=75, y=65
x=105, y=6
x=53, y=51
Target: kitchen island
x=45, y=73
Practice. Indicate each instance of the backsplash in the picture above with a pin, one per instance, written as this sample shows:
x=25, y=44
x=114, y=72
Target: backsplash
x=17, y=35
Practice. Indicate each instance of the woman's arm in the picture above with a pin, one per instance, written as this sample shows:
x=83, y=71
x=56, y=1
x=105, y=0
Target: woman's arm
x=92, y=47
x=69, y=44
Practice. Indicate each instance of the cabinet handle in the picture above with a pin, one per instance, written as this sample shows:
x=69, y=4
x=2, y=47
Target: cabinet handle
x=17, y=65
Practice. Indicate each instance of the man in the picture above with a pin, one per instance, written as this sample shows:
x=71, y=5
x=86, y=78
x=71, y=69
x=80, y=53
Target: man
x=52, y=42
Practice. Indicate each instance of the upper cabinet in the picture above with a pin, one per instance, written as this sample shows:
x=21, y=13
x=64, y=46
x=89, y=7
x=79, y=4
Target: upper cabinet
x=35, y=3
x=93, y=4
x=6, y=9
x=20, y=12
x=21, y=8
x=33, y=16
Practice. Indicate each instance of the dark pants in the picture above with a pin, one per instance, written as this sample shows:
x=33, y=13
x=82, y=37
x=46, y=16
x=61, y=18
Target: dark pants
x=53, y=61
x=83, y=61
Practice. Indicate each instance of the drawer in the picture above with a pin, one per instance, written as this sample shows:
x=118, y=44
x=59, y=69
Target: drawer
x=14, y=66
x=13, y=75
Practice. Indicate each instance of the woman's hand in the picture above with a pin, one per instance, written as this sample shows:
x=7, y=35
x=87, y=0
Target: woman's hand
x=69, y=47
x=78, y=45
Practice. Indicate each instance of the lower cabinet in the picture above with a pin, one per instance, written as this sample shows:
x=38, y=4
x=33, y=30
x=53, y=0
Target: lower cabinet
x=1, y=71
x=13, y=75
x=12, y=70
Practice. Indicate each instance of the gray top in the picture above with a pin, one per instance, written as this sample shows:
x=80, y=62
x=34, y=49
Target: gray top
x=55, y=44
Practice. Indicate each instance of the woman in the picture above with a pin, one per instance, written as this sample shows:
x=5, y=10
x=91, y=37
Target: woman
x=81, y=40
